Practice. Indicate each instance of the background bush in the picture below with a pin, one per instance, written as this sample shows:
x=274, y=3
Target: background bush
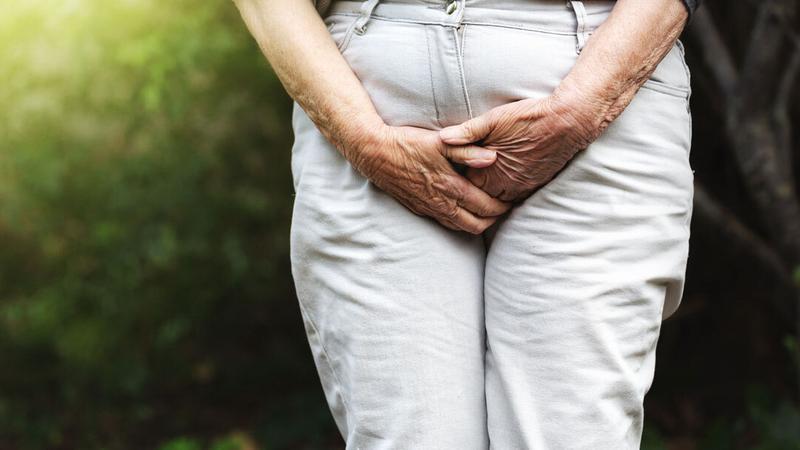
x=144, y=281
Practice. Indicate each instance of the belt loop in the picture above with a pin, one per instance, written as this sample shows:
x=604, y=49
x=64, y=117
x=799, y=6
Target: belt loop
x=580, y=31
x=366, y=12
x=461, y=9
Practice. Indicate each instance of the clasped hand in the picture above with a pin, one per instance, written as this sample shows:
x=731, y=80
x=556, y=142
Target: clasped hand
x=533, y=141
x=510, y=152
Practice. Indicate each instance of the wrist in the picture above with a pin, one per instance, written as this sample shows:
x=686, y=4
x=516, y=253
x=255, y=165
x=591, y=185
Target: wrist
x=362, y=139
x=593, y=107
x=362, y=133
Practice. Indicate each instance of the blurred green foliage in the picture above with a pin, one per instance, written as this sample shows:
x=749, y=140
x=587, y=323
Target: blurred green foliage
x=146, y=195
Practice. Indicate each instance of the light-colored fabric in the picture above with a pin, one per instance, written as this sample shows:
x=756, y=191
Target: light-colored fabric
x=323, y=5
x=541, y=336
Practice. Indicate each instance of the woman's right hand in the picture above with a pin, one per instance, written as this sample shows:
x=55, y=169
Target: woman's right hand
x=408, y=163
x=411, y=164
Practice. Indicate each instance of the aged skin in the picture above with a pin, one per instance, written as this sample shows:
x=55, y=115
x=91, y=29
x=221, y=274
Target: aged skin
x=408, y=163
x=534, y=139
x=522, y=145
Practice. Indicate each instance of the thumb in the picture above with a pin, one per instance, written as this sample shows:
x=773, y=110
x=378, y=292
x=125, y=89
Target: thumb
x=470, y=155
x=472, y=130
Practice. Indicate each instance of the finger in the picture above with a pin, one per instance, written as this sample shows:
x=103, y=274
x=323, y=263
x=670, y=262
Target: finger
x=463, y=220
x=454, y=224
x=447, y=223
x=471, y=155
x=472, y=130
x=479, y=202
x=478, y=178
x=471, y=223
x=455, y=218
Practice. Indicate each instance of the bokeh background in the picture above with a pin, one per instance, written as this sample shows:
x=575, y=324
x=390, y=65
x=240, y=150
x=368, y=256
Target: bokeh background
x=146, y=299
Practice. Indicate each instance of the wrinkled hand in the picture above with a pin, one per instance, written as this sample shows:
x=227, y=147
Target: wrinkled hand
x=534, y=140
x=411, y=164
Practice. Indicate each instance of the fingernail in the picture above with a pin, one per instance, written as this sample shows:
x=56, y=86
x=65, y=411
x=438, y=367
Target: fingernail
x=479, y=163
x=484, y=154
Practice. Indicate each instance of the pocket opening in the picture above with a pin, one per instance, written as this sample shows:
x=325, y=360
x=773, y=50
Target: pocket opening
x=342, y=41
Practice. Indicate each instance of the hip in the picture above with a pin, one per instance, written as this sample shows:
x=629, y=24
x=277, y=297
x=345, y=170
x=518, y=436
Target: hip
x=424, y=65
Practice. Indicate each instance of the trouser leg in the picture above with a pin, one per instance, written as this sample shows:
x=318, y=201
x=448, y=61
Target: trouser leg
x=393, y=307
x=577, y=279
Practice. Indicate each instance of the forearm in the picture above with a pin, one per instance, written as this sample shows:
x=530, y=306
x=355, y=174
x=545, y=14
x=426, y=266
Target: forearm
x=620, y=56
x=300, y=50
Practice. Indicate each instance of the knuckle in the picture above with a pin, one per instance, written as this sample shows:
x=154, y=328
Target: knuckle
x=451, y=212
x=459, y=192
x=454, y=189
x=445, y=209
x=450, y=153
x=490, y=209
x=448, y=209
x=481, y=208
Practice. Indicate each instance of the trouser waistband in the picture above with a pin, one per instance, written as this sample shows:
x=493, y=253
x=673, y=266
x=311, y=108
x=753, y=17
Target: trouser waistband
x=552, y=16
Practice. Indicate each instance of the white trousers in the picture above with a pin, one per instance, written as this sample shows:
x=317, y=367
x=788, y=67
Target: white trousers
x=540, y=335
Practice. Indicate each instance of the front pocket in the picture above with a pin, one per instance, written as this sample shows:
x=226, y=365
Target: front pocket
x=664, y=88
x=671, y=76
x=341, y=29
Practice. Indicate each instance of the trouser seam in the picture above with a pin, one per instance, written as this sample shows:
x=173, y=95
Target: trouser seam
x=433, y=84
x=463, y=41
x=461, y=74
x=465, y=22
x=304, y=312
x=688, y=72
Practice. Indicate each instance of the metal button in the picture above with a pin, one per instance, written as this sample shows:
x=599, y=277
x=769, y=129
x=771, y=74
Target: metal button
x=452, y=6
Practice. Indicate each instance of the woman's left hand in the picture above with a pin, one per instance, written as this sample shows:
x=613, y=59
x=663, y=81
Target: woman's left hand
x=534, y=140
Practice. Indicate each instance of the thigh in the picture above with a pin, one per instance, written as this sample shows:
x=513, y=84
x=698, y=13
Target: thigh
x=393, y=307
x=392, y=302
x=580, y=276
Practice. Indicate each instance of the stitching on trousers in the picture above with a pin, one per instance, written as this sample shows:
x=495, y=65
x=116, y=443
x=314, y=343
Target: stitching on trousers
x=461, y=74
x=679, y=44
x=463, y=41
x=664, y=88
x=430, y=72
x=464, y=22
x=311, y=323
